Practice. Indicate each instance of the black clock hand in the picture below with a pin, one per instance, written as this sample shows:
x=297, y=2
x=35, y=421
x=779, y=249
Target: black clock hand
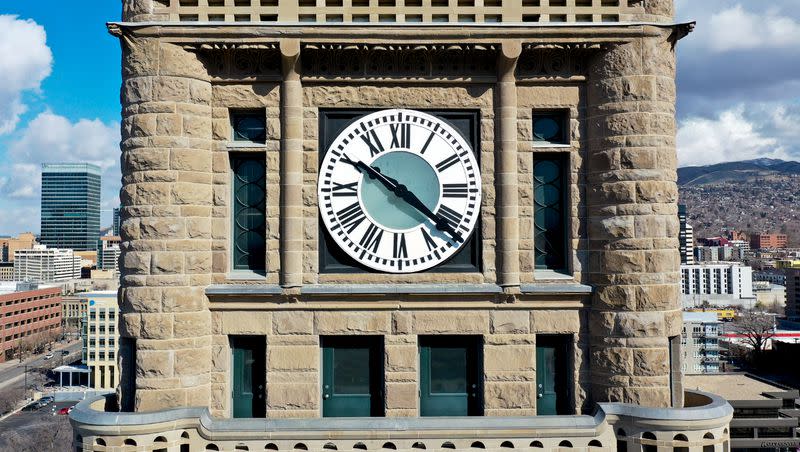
x=402, y=192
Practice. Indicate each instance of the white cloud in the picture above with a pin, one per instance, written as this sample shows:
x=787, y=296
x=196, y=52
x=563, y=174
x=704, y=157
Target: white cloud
x=728, y=137
x=53, y=138
x=25, y=60
x=738, y=29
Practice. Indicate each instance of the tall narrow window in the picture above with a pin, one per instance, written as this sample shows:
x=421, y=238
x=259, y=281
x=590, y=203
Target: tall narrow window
x=550, y=225
x=249, y=211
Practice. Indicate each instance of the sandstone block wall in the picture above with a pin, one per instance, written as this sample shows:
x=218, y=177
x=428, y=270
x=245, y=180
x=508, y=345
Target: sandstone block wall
x=293, y=361
x=632, y=221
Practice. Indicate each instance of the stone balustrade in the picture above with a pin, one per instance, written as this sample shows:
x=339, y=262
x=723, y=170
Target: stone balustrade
x=701, y=425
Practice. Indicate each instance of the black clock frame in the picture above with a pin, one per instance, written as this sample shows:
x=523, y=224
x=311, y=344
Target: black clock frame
x=332, y=259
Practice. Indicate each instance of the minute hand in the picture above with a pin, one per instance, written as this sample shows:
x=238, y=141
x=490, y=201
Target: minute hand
x=403, y=193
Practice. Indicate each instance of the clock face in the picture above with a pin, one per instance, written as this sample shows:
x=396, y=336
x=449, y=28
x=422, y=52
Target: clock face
x=399, y=191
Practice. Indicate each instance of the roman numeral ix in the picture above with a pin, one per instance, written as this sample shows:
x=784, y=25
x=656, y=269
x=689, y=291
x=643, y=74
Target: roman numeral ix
x=340, y=190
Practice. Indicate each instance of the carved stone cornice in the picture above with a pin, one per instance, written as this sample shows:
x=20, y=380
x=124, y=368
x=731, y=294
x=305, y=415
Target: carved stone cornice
x=566, y=61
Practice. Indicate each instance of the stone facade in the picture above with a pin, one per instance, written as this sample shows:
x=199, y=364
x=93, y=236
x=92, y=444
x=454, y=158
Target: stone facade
x=616, y=306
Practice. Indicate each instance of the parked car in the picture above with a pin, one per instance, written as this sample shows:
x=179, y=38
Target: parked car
x=50, y=355
x=66, y=410
x=65, y=352
x=44, y=401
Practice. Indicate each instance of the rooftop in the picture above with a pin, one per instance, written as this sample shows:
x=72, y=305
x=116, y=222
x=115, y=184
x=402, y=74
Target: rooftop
x=700, y=317
x=731, y=386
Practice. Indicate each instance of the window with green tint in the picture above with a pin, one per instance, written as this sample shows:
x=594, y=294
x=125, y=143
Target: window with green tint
x=448, y=370
x=550, y=225
x=249, y=212
x=550, y=128
x=249, y=126
x=351, y=371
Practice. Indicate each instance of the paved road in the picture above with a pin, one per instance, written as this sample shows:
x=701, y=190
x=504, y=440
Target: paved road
x=11, y=375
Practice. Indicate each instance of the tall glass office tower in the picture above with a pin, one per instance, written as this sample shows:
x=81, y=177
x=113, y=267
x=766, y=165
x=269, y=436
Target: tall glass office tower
x=70, y=205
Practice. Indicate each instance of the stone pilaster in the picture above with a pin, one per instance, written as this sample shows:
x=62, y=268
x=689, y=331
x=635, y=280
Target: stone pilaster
x=506, y=164
x=632, y=221
x=291, y=166
x=166, y=223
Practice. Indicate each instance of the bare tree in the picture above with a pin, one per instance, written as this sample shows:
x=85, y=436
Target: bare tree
x=756, y=330
x=9, y=399
x=45, y=433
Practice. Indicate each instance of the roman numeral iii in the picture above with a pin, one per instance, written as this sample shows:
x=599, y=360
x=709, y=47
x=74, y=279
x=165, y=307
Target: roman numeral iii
x=455, y=190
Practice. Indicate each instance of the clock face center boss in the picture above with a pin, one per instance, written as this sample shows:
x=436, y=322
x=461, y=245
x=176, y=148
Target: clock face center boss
x=399, y=191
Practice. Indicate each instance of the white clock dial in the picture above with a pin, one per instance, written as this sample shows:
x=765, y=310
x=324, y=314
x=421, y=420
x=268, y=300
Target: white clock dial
x=399, y=191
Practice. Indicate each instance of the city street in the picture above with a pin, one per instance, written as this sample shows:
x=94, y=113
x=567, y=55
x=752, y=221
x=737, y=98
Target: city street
x=13, y=372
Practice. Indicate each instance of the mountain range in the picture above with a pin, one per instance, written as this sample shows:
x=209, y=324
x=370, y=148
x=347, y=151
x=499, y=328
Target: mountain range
x=753, y=196
x=736, y=171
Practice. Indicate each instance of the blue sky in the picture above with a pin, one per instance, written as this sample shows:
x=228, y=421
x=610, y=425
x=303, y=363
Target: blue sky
x=738, y=88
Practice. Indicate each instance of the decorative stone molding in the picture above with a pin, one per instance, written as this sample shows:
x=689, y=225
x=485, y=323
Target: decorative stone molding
x=702, y=426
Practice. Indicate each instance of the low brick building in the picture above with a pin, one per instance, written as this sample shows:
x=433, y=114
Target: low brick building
x=30, y=316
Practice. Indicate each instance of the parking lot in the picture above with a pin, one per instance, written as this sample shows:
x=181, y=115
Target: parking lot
x=37, y=429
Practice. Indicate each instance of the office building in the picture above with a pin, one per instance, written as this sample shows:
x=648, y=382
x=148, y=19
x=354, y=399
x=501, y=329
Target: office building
x=115, y=221
x=109, y=253
x=685, y=237
x=70, y=206
x=9, y=245
x=717, y=284
x=768, y=241
x=519, y=223
x=765, y=413
x=46, y=265
x=792, y=293
x=700, y=342
x=101, y=338
x=6, y=271
x=30, y=318
x=72, y=313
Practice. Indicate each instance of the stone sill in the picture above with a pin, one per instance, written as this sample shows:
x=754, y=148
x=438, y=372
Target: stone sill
x=239, y=145
x=245, y=275
x=243, y=289
x=392, y=289
x=565, y=288
x=541, y=145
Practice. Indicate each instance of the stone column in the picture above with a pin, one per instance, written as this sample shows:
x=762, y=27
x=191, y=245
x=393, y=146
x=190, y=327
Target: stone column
x=506, y=163
x=166, y=223
x=634, y=263
x=291, y=166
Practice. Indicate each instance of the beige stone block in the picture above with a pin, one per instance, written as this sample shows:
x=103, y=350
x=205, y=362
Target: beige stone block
x=155, y=400
x=156, y=326
x=293, y=358
x=166, y=263
x=189, y=193
x=402, y=322
x=293, y=322
x=556, y=321
x=510, y=322
x=153, y=364
x=651, y=362
x=183, y=299
x=510, y=395
x=161, y=228
x=458, y=322
x=288, y=396
x=246, y=322
x=339, y=322
x=400, y=358
x=170, y=89
x=191, y=324
x=192, y=361
x=401, y=396
x=509, y=358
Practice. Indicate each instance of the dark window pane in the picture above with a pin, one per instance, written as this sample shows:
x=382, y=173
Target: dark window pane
x=549, y=187
x=351, y=371
x=249, y=126
x=550, y=128
x=448, y=370
x=249, y=212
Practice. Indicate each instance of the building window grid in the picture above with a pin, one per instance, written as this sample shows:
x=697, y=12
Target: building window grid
x=550, y=208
